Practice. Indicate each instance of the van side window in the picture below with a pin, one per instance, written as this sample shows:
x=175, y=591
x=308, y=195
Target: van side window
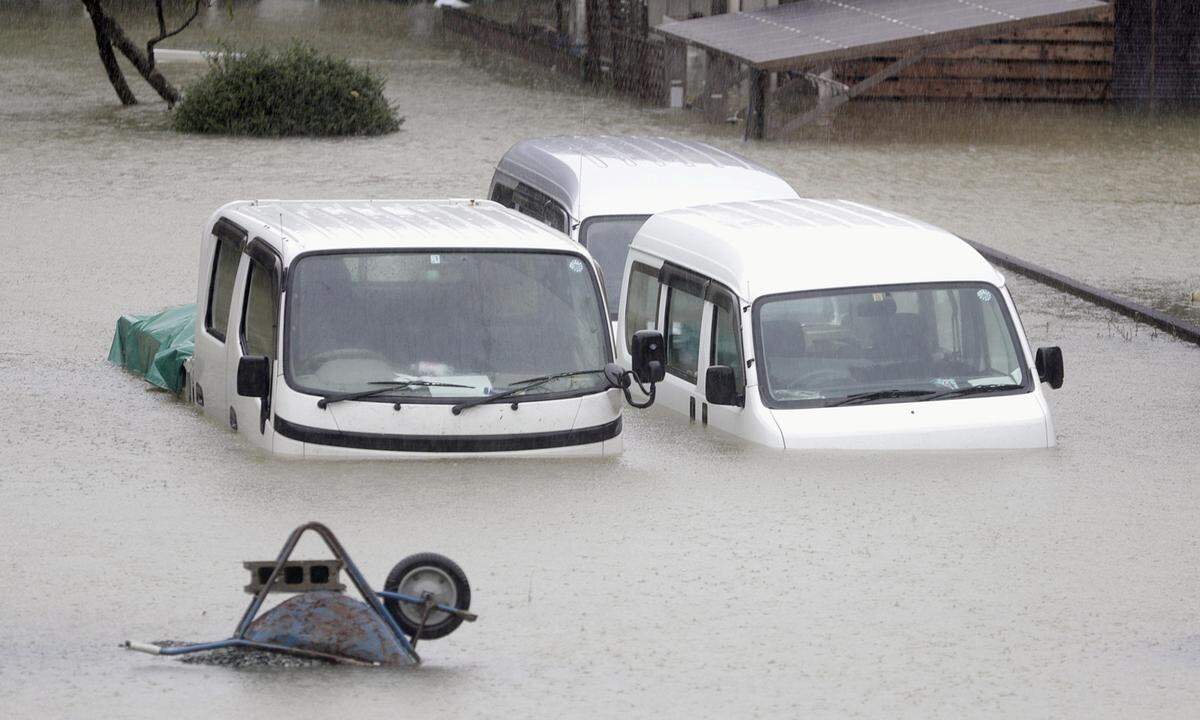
x=556, y=217
x=684, y=313
x=726, y=347
x=260, y=313
x=503, y=194
x=641, y=304
x=539, y=206
x=220, y=287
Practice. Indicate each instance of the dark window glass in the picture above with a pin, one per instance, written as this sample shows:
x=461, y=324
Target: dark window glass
x=260, y=316
x=540, y=207
x=472, y=322
x=225, y=265
x=607, y=239
x=726, y=342
x=641, y=306
x=503, y=195
x=684, y=313
x=819, y=348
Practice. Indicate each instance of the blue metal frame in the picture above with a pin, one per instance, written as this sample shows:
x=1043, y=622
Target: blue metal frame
x=469, y=617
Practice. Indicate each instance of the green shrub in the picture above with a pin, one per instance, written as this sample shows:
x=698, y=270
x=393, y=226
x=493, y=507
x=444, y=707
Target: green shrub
x=295, y=92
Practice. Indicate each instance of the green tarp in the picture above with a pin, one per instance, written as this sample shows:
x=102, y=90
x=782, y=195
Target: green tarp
x=155, y=346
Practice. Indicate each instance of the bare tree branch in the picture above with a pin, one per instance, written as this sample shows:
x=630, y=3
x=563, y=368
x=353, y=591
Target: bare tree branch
x=116, y=36
x=110, y=36
x=162, y=27
x=162, y=21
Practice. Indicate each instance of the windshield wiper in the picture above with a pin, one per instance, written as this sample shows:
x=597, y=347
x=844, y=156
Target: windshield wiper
x=526, y=384
x=974, y=390
x=388, y=385
x=866, y=397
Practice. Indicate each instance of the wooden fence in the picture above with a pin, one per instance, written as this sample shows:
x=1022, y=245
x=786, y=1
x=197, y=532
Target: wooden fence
x=1066, y=63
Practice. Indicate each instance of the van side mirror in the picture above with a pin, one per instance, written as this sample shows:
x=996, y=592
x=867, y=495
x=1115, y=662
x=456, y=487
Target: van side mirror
x=1049, y=361
x=720, y=386
x=649, y=356
x=254, y=376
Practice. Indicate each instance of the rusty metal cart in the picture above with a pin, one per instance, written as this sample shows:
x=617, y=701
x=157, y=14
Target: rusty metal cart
x=425, y=596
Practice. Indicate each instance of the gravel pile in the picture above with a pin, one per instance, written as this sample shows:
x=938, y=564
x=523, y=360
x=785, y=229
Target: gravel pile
x=244, y=658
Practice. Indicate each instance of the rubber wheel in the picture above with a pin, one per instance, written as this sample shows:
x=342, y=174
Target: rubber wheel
x=433, y=573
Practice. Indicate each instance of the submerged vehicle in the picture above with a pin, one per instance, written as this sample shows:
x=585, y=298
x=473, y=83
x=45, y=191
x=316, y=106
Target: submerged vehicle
x=830, y=324
x=413, y=328
x=600, y=189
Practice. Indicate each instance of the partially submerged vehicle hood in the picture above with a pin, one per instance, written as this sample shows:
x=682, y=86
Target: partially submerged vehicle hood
x=1002, y=422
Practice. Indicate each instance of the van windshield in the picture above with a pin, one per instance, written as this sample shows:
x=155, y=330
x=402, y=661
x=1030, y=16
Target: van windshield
x=443, y=325
x=887, y=344
x=607, y=238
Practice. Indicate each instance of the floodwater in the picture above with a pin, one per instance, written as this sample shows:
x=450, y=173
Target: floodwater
x=691, y=577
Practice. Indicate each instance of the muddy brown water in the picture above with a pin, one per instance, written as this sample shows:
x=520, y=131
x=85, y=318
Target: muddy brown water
x=691, y=577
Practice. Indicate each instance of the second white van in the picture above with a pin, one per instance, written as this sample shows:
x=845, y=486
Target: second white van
x=830, y=324
x=600, y=189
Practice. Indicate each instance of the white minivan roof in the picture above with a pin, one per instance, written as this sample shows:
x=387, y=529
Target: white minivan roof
x=375, y=224
x=637, y=175
x=775, y=246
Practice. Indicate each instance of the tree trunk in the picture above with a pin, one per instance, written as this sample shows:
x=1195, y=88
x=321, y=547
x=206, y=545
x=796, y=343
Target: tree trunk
x=109, y=60
x=109, y=28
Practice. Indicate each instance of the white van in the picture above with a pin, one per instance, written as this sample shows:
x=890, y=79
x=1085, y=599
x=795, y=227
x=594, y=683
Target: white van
x=599, y=190
x=402, y=328
x=829, y=324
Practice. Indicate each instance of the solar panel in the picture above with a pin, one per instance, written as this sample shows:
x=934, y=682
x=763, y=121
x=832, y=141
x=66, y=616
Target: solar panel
x=818, y=31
